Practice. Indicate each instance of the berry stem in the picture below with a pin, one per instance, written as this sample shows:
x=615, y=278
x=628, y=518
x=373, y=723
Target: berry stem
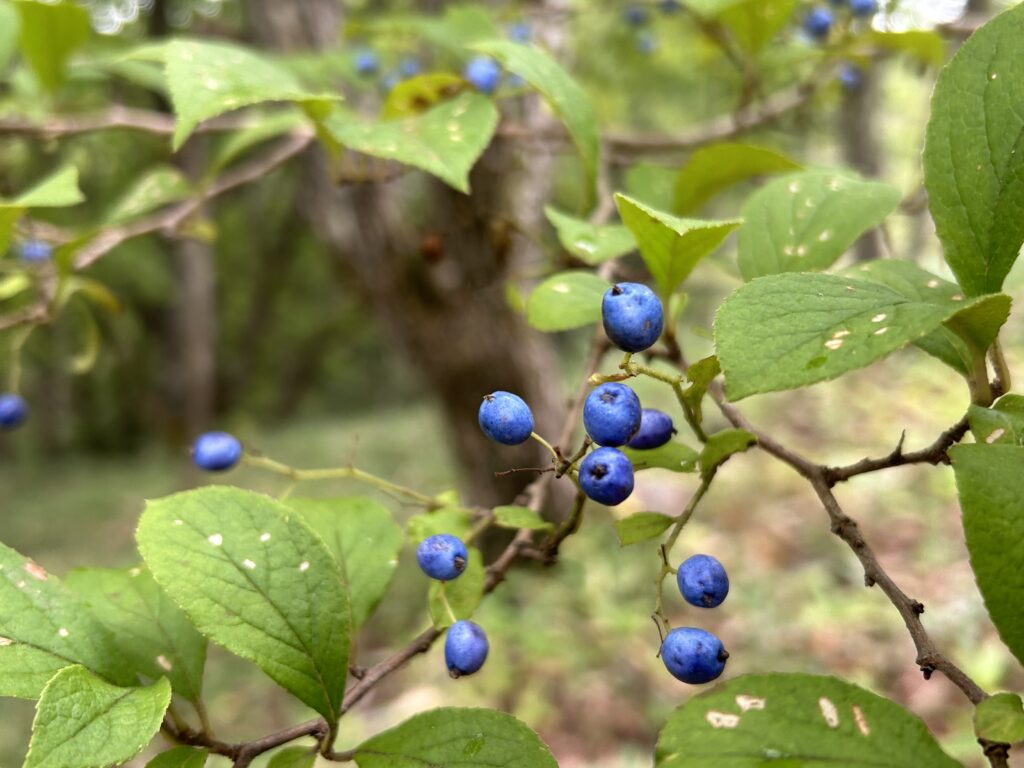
x=547, y=445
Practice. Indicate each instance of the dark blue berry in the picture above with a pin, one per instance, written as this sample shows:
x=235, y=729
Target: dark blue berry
x=669, y=6
x=216, y=451
x=465, y=648
x=606, y=476
x=693, y=655
x=863, y=7
x=442, y=557
x=410, y=66
x=818, y=23
x=635, y=15
x=520, y=32
x=13, y=410
x=656, y=429
x=505, y=418
x=483, y=73
x=35, y=251
x=366, y=62
x=703, y=581
x=851, y=77
x=632, y=315
x=611, y=414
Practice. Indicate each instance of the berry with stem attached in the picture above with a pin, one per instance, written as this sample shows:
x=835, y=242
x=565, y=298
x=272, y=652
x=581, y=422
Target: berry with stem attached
x=693, y=655
x=465, y=648
x=505, y=418
x=483, y=73
x=632, y=315
x=703, y=581
x=442, y=557
x=216, y=451
x=13, y=410
x=612, y=414
x=606, y=476
x=656, y=429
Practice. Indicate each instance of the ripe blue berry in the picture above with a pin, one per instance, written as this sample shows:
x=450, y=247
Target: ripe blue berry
x=851, y=77
x=216, y=451
x=606, y=476
x=465, y=648
x=483, y=73
x=632, y=315
x=35, y=251
x=505, y=418
x=656, y=429
x=409, y=67
x=703, y=581
x=520, y=32
x=611, y=414
x=818, y=23
x=693, y=655
x=366, y=62
x=635, y=15
x=442, y=557
x=669, y=6
x=13, y=410
x=863, y=7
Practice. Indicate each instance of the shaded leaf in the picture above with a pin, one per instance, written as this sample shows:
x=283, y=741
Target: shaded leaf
x=520, y=517
x=673, y=455
x=453, y=520
x=721, y=445
x=49, y=34
x=1002, y=423
x=180, y=757
x=588, y=242
x=462, y=594
x=1000, y=718
x=293, y=757
x=152, y=190
x=641, y=526
x=716, y=167
x=566, y=300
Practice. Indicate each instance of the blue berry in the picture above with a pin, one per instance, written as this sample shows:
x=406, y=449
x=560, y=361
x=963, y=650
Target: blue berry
x=818, y=23
x=669, y=6
x=851, y=77
x=216, y=451
x=606, y=476
x=483, y=73
x=389, y=81
x=520, y=32
x=465, y=648
x=35, y=251
x=632, y=316
x=635, y=15
x=703, y=581
x=693, y=655
x=13, y=410
x=863, y=7
x=410, y=66
x=656, y=429
x=505, y=418
x=442, y=557
x=366, y=62
x=611, y=414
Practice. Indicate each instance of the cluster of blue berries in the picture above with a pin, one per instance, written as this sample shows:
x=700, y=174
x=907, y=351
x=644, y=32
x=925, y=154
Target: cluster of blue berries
x=819, y=21
x=444, y=557
x=690, y=654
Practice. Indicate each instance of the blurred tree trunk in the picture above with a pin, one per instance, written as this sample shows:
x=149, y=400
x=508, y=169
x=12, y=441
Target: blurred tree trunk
x=438, y=287
x=861, y=147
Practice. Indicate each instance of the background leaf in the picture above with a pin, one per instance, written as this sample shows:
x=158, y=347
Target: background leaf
x=463, y=594
x=85, y=722
x=1000, y=718
x=974, y=155
x=716, y=167
x=566, y=300
x=153, y=189
x=1002, y=423
x=641, y=526
x=59, y=190
x=515, y=517
x=588, y=242
x=673, y=456
x=721, y=445
x=249, y=572
x=50, y=33
x=293, y=757
x=453, y=520
x=180, y=757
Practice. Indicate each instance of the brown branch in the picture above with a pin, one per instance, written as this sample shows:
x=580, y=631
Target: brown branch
x=116, y=117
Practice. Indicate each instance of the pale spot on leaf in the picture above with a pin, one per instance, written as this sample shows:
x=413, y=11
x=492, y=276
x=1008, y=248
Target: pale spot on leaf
x=36, y=571
x=996, y=434
x=249, y=564
x=829, y=712
x=749, y=702
x=878, y=318
x=6, y=641
x=880, y=331
x=840, y=334
x=216, y=539
x=862, y=722
x=834, y=343
x=932, y=284
x=265, y=537
x=304, y=565
x=722, y=719
x=63, y=632
x=164, y=662
x=560, y=288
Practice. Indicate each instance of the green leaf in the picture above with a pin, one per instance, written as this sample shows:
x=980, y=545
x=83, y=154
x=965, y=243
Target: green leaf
x=641, y=526
x=670, y=246
x=44, y=627
x=788, y=331
x=154, y=189
x=59, y=190
x=1000, y=718
x=463, y=594
x=520, y=517
x=700, y=375
x=14, y=284
x=10, y=29
x=208, y=79
x=925, y=45
x=247, y=570
x=673, y=456
x=467, y=738
x=721, y=445
x=365, y=541
x=50, y=33
x=180, y=757
x=590, y=243
x=651, y=184
x=974, y=155
x=419, y=93
x=445, y=141
x=153, y=636
x=293, y=757
x=566, y=300
x=1002, y=423
x=804, y=721
x=563, y=93
x=714, y=168
x=84, y=722
x=804, y=222
x=453, y=520
x=755, y=23
x=990, y=479
x=237, y=143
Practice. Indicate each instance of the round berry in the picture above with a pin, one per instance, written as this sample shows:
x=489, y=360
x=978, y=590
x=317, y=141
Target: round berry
x=409, y=67
x=465, y=648
x=366, y=62
x=611, y=414
x=669, y=6
x=632, y=315
x=863, y=7
x=216, y=451
x=483, y=73
x=703, y=581
x=35, y=251
x=606, y=476
x=635, y=15
x=851, y=77
x=818, y=23
x=520, y=32
x=693, y=655
x=442, y=557
x=13, y=410
x=656, y=429
x=505, y=418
